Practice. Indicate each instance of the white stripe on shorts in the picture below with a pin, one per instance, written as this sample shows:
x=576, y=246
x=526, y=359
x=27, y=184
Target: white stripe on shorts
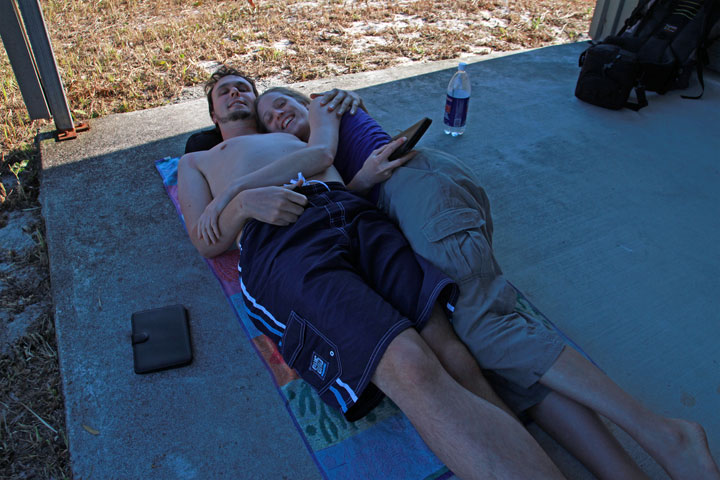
x=348, y=389
x=258, y=306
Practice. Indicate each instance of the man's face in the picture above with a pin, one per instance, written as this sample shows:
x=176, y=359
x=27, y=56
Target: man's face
x=233, y=99
x=281, y=113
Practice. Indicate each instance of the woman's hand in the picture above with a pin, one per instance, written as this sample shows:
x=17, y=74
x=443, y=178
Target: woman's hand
x=377, y=168
x=340, y=101
x=274, y=205
x=321, y=119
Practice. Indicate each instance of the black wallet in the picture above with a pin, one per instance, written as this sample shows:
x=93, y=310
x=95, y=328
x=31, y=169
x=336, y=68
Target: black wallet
x=161, y=339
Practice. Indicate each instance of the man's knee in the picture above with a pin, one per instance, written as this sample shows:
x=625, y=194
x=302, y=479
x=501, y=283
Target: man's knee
x=408, y=361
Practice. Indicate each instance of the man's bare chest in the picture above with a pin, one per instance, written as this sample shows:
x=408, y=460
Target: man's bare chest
x=236, y=158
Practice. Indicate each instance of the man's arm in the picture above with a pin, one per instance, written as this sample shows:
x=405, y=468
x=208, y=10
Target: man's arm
x=310, y=160
x=274, y=205
x=194, y=195
x=340, y=101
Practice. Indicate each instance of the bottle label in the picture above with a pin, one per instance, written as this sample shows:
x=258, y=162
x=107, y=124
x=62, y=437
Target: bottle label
x=456, y=111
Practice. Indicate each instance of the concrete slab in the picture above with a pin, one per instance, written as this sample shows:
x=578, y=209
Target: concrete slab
x=117, y=247
x=606, y=220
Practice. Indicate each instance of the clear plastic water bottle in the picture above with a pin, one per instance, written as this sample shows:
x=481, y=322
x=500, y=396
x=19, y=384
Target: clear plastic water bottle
x=456, y=104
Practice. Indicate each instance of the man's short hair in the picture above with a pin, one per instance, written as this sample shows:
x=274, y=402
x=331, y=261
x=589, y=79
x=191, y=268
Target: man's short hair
x=299, y=96
x=221, y=72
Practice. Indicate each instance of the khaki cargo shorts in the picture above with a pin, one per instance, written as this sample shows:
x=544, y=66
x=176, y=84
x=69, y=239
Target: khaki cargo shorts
x=438, y=204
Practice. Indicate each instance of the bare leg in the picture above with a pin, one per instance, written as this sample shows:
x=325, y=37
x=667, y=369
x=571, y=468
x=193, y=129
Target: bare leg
x=457, y=359
x=574, y=426
x=583, y=434
x=475, y=439
x=679, y=446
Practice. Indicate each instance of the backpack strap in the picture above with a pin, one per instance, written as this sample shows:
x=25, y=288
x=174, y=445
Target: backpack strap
x=713, y=18
x=641, y=100
x=637, y=13
x=700, y=65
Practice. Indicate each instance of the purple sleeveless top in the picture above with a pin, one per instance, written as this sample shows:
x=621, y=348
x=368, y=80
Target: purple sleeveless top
x=360, y=134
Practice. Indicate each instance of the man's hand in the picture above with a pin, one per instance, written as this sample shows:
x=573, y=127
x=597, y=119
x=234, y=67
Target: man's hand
x=340, y=101
x=377, y=168
x=274, y=205
x=208, y=228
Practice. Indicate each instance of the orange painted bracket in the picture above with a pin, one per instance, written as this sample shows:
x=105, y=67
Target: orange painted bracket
x=70, y=134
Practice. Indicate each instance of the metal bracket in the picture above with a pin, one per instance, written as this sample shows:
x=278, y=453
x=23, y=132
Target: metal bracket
x=71, y=134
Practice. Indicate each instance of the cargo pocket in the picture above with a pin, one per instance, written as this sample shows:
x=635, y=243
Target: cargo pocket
x=308, y=351
x=462, y=251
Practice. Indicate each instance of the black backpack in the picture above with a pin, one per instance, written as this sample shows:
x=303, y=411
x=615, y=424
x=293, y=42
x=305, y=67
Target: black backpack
x=657, y=49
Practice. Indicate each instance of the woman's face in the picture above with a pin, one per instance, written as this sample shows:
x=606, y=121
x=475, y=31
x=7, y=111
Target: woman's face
x=280, y=113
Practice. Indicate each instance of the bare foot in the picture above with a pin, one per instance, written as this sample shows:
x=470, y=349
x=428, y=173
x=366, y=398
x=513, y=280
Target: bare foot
x=686, y=456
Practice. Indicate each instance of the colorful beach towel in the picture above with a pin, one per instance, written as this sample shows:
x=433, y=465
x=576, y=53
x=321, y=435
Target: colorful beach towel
x=382, y=445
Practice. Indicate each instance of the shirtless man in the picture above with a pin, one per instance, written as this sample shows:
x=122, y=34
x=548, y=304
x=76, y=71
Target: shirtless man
x=474, y=438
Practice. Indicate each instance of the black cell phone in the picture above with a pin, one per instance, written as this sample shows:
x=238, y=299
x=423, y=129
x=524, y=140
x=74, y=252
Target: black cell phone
x=412, y=134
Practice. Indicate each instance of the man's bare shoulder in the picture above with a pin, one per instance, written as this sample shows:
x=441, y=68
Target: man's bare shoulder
x=198, y=158
x=188, y=160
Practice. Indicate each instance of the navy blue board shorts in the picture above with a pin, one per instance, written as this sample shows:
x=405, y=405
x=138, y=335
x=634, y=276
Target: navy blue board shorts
x=334, y=289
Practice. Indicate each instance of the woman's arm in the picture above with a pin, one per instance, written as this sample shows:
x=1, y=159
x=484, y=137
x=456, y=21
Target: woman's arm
x=377, y=168
x=311, y=160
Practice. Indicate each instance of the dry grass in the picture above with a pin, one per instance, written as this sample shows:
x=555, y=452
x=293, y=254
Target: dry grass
x=124, y=55
x=32, y=438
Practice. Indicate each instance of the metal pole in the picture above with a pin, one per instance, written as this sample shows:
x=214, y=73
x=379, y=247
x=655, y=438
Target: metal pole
x=618, y=12
x=45, y=61
x=598, y=29
x=21, y=59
